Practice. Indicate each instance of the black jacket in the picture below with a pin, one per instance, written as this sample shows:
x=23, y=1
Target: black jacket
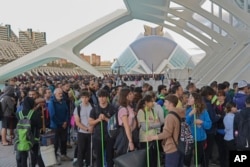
x=36, y=120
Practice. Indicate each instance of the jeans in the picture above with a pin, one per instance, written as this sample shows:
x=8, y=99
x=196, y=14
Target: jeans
x=61, y=140
x=22, y=156
x=174, y=159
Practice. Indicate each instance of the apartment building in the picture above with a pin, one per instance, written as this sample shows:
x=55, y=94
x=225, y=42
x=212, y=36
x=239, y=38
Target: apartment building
x=31, y=41
x=13, y=47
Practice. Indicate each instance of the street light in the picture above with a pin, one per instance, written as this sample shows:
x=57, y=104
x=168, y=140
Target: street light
x=119, y=67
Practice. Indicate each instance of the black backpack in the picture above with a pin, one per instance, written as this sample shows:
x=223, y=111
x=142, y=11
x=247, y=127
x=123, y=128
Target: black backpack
x=1, y=109
x=185, y=142
x=243, y=137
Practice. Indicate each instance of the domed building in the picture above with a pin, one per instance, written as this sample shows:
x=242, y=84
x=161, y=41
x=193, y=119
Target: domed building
x=152, y=53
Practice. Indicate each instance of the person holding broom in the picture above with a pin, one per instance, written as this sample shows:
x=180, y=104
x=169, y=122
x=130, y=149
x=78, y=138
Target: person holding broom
x=173, y=157
x=198, y=119
x=103, y=144
x=149, y=123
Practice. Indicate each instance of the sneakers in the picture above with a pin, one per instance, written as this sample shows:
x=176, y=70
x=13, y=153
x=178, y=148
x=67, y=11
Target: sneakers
x=58, y=160
x=75, y=163
x=65, y=158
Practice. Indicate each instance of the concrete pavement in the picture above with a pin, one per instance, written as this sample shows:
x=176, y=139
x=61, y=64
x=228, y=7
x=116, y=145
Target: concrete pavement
x=8, y=157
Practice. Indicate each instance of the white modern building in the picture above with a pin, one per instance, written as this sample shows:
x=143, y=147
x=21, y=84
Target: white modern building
x=224, y=36
x=152, y=54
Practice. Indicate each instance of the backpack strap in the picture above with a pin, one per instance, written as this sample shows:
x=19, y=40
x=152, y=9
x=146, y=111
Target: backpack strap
x=79, y=111
x=175, y=114
x=179, y=118
x=21, y=115
x=30, y=114
x=117, y=114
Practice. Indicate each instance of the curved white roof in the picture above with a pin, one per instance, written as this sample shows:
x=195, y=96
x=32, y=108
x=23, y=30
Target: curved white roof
x=150, y=54
x=226, y=44
x=153, y=49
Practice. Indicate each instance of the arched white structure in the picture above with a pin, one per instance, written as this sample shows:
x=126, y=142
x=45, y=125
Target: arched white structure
x=225, y=42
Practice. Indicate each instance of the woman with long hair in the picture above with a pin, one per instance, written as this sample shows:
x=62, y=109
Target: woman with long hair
x=202, y=122
x=220, y=129
x=149, y=123
x=126, y=119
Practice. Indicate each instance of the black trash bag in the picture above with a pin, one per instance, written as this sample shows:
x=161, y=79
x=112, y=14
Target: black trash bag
x=121, y=142
x=135, y=158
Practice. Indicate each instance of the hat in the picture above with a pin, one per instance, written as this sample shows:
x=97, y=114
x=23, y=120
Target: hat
x=242, y=84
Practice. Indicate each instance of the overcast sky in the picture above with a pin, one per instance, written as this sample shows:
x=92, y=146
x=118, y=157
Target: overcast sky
x=60, y=17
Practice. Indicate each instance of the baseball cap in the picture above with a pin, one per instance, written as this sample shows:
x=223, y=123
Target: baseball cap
x=242, y=84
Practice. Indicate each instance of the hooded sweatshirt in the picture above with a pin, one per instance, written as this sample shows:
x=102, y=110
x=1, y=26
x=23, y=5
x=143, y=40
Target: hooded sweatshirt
x=7, y=101
x=36, y=121
x=240, y=99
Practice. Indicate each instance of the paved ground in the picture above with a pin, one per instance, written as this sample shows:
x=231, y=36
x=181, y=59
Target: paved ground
x=7, y=157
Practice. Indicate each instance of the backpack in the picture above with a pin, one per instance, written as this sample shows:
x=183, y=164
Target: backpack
x=72, y=119
x=243, y=136
x=1, y=107
x=1, y=110
x=185, y=142
x=24, y=138
x=113, y=125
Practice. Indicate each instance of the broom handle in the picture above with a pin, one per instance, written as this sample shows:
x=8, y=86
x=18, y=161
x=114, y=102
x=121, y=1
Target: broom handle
x=73, y=94
x=102, y=144
x=147, y=135
x=43, y=119
x=195, y=140
x=158, y=153
x=157, y=143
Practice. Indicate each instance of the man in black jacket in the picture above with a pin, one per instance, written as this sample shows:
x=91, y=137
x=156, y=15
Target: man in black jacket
x=241, y=127
x=8, y=109
x=36, y=124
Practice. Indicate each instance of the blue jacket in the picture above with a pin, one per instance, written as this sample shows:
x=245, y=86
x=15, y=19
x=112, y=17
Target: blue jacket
x=58, y=112
x=212, y=115
x=200, y=130
x=240, y=99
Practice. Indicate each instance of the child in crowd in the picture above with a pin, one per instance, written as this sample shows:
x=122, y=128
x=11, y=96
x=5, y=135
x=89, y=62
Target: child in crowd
x=228, y=121
x=200, y=125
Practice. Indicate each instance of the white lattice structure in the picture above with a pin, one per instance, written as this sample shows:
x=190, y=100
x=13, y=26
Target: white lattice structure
x=224, y=39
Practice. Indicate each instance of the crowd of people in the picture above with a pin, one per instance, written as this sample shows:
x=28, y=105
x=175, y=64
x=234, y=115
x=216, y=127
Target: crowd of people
x=214, y=112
